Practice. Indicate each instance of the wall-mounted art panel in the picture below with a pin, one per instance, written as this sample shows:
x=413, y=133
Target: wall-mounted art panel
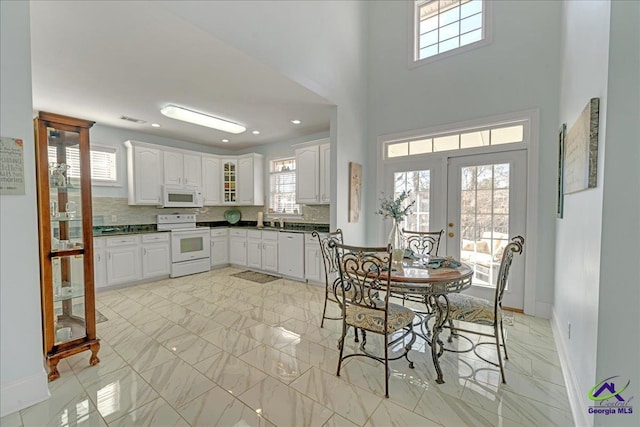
x=581, y=150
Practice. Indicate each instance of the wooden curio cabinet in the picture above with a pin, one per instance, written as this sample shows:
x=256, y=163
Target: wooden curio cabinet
x=63, y=172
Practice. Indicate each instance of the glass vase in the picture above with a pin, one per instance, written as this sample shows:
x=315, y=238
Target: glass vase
x=396, y=241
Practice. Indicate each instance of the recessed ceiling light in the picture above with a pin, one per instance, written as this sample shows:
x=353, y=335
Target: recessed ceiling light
x=155, y=125
x=225, y=140
x=256, y=132
x=201, y=119
x=296, y=122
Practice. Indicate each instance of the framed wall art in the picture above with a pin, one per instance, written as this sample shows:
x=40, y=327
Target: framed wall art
x=581, y=150
x=355, y=191
x=560, y=195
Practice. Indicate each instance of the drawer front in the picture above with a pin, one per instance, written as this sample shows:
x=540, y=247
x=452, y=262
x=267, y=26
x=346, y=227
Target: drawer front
x=219, y=232
x=98, y=242
x=155, y=237
x=270, y=235
x=122, y=241
x=254, y=234
x=238, y=233
x=310, y=239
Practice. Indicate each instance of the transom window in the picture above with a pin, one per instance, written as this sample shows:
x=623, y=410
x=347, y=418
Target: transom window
x=282, y=198
x=483, y=137
x=104, y=168
x=445, y=25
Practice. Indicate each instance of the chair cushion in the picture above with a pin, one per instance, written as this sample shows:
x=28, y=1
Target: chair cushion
x=470, y=309
x=373, y=320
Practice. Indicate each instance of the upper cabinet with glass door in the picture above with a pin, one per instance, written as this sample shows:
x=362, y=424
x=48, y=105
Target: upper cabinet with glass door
x=65, y=234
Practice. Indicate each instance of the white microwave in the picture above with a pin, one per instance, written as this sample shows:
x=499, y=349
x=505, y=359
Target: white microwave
x=181, y=197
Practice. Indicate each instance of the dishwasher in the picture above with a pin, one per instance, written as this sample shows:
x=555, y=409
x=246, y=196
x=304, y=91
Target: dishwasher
x=291, y=255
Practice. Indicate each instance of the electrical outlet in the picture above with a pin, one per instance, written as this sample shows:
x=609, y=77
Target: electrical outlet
x=569, y=330
x=114, y=218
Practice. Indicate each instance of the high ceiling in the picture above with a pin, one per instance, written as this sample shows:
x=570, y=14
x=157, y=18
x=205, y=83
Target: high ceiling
x=103, y=60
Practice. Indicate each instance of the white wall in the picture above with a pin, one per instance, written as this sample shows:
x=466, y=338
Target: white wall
x=320, y=45
x=23, y=380
x=517, y=71
x=619, y=296
x=584, y=57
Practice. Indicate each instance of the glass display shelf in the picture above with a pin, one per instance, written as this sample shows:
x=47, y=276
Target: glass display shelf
x=63, y=218
x=69, y=328
x=68, y=187
x=66, y=293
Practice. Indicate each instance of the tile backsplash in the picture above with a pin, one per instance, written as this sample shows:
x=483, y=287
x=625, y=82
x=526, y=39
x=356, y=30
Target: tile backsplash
x=116, y=211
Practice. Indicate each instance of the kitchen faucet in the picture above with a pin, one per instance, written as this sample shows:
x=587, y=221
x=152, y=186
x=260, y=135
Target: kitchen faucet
x=278, y=221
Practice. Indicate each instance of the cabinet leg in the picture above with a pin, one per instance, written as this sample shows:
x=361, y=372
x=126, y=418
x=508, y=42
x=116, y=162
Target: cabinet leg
x=53, y=369
x=94, y=354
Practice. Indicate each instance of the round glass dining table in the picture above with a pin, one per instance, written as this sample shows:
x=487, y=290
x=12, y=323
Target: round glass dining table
x=432, y=286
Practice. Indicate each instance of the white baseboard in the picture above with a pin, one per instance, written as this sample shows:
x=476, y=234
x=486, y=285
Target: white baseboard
x=22, y=393
x=579, y=408
x=543, y=309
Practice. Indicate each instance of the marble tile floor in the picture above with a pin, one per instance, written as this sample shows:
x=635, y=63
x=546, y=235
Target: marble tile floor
x=215, y=350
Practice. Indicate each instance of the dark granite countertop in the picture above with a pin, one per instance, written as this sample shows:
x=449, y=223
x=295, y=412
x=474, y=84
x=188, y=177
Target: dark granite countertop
x=304, y=227
x=115, y=230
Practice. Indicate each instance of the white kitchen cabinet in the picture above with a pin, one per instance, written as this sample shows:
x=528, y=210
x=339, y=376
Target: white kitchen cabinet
x=144, y=173
x=156, y=255
x=238, y=247
x=270, y=251
x=250, y=180
x=325, y=173
x=307, y=173
x=123, y=259
x=211, y=175
x=229, y=181
x=262, y=250
x=313, y=264
x=291, y=254
x=313, y=174
x=182, y=169
x=219, y=247
x=99, y=262
x=254, y=249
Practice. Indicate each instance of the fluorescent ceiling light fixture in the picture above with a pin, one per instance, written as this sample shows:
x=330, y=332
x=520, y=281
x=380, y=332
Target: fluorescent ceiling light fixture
x=296, y=122
x=256, y=132
x=225, y=140
x=201, y=119
x=155, y=125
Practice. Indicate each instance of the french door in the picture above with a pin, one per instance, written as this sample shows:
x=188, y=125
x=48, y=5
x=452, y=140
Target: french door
x=480, y=202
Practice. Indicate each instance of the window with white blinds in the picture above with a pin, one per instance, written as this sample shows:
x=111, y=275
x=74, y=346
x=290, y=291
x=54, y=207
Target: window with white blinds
x=103, y=164
x=282, y=198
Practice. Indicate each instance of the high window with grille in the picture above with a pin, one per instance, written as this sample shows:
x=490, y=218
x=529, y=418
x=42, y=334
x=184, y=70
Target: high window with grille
x=282, y=198
x=443, y=26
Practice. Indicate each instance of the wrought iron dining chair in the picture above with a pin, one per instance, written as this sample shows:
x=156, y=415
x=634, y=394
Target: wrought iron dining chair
x=330, y=264
x=363, y=269
x=423, y=242
x=467, y=308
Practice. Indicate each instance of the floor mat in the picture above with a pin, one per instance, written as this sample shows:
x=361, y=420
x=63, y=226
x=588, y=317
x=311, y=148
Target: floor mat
x=100, y=317
x=255, y=277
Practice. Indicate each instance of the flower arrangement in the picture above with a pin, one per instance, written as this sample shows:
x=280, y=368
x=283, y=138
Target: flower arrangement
x=396, y=208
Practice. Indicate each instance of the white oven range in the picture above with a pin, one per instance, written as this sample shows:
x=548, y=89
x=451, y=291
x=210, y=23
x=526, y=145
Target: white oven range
x=190, y=247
